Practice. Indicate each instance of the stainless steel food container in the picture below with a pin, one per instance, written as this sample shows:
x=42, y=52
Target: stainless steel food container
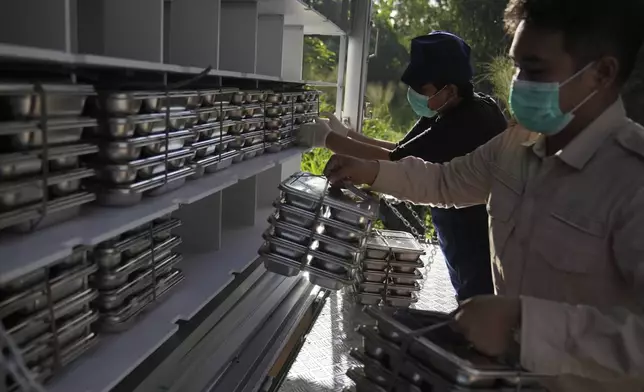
x=19, y=193
x=274, y=147
x=285, y=248
x=396, y=266
x=287, y=109
x=25, y=135
x=274, y=111
x=312, y=95
x=111, y=278
x=112, y=299
x=431, y=351
x=253, y=124
x=237, y=98
x=353, y=206
x=23, y=282
x=274, y=97
x=122, y=318
x=211, y=97
x=253, y=138
x=252, y=111
x=296, y=216
x=213, y=146
x=207, y=131
x=39, y=323
x=251, y=152
x=278, y=264
x=382, y=244
x=326, y=279
x=232, y=112
x=28, y=218
x=272, y=123
x=275, y=135
x=36, y=298
x=143, y=169
x=208, y=114
x=332, y=264
x=23, y=164
x=125, y=195
x=18, y=101
x=348, y=252
x=112, y=253
x=133, y=102
x=232, y=127
x=255, y=96
x=213, y=164
x=292, y=232
x=237, y=142
x=122, y=151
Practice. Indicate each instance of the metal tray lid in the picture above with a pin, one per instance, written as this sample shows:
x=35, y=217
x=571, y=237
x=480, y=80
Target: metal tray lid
x=312, y=187
x=398, y=241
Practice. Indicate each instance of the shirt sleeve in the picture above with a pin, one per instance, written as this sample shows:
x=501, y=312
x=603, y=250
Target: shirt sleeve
x=463, y=182
x=606, y=344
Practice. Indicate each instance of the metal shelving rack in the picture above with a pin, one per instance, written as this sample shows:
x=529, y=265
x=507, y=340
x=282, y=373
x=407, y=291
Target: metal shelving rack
x=229, y=309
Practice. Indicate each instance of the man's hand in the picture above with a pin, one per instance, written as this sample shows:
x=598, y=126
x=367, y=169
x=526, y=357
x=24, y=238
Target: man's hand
x=489, y=322
x=313, y=134
x=342, y=168
x=336, y=124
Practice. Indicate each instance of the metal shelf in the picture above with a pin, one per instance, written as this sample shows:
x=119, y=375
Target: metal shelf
x=205, y=276
x=25, y=253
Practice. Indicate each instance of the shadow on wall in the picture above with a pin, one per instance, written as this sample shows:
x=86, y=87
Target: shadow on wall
x=634, y=91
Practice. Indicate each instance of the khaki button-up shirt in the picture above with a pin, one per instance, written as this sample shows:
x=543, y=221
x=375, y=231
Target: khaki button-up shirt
x=567, y=235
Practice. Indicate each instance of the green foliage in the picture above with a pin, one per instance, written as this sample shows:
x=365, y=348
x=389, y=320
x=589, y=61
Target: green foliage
x=498, y=73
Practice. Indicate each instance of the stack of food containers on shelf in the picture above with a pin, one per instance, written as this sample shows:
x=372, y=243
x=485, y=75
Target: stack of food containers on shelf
x=416, y=351
x=47, y=314
x=144, y=140
x=285, y=112
x=249, y=140
x=135, y=270
x=40, y=154
x=318, y=229
x=390, y=271
x=218, y=126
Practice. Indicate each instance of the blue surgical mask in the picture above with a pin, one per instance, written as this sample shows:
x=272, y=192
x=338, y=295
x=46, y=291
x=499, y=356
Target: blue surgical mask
x=418, y=103
x=535, y=105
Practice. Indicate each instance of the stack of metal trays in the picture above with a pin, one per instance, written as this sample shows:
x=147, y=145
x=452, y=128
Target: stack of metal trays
x=135, y=270
x=145, y=142
x=318, y=229
x=396, y=358
x=218, y=132
x=41, y=172
x=47, y=314
x=390, y=271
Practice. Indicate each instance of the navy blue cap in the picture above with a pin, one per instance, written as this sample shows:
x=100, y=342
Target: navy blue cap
x=438, y=57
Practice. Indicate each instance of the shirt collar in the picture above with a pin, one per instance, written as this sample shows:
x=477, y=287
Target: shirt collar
x=579, y=151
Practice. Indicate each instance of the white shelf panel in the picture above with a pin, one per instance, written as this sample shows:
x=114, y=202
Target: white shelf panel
x=25, y=253
x=296, y=12
x=24, y=53
x=205, y=276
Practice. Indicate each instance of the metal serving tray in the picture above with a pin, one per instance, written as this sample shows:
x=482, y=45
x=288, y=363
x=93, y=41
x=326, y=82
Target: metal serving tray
x=383, y=244
x=123, y=151
x=19, y=101
x=31, y=327
x=26, y=219
x=112, y=278
x=213, y=164
x=20, y=193
x=36, y=298
x=17, y=165
x=211, y=97
x=25, y=135
x=143, y=169
x=213, y=146
x=448, y=352
x=304, y=190
x=139, y=281
x=112, y=253
x=133, y=102
x=121, y=319
x=127, y=195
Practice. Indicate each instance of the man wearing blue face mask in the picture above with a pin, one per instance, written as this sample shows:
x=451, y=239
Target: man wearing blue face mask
x=453, y=122
x=565, y=193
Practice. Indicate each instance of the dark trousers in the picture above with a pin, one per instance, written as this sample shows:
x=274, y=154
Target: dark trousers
x=464, y=239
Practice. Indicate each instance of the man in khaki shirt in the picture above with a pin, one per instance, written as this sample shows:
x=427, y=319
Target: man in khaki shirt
x=565, y=193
